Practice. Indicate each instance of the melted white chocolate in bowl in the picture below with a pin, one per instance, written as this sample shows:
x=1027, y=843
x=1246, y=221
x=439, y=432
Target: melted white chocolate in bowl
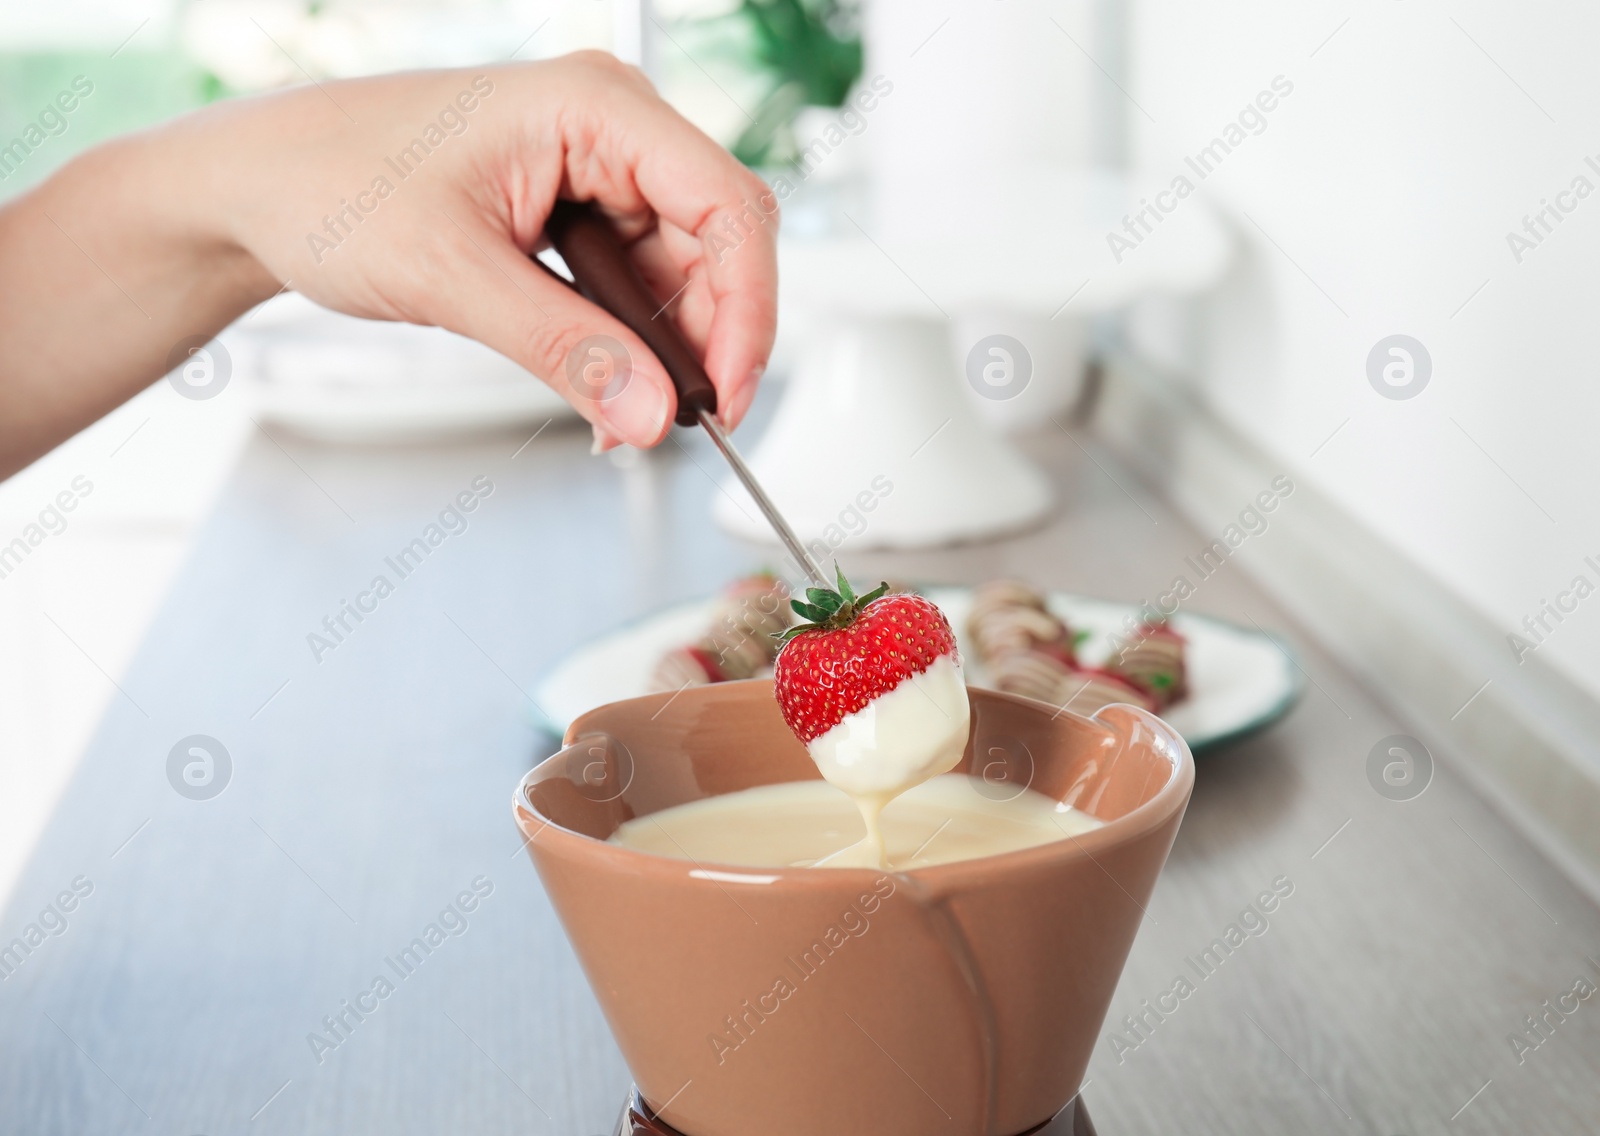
x=812, y=824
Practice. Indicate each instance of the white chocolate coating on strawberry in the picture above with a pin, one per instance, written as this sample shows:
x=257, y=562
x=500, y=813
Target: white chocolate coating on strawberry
x=900, y=739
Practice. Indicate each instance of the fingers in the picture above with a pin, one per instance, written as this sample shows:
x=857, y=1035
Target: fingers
x=500, y=297
x=730, y=304
x=697, y=187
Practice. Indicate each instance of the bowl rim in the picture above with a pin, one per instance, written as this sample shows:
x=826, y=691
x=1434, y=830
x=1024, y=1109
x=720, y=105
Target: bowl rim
x=1170, y=800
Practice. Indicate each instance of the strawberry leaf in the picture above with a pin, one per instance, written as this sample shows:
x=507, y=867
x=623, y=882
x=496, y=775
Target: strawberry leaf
x=828, y=601
x=813, y=613
x=876, y=594
x=830, y=610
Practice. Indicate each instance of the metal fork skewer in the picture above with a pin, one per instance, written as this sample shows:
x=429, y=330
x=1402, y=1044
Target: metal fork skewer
x=802, y=557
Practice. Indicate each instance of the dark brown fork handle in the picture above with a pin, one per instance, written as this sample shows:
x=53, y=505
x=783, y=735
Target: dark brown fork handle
x=606, y=276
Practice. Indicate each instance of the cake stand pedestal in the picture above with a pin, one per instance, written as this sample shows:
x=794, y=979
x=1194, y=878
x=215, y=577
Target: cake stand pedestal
x=875, y=442
x=879, y=441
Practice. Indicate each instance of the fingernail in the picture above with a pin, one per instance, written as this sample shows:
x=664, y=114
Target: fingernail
x=638, y=414
x=739, y=404
x=603, y=441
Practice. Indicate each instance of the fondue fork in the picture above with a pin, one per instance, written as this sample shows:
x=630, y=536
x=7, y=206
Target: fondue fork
x=605, y=275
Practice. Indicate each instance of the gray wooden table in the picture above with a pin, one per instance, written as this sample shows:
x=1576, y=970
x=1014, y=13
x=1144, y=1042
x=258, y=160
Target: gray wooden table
x=370, y=784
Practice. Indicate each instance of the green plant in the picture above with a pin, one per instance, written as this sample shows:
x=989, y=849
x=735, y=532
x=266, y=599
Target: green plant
x=808, y=51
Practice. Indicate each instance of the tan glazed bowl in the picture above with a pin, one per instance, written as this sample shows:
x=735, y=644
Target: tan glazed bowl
x=962, y=998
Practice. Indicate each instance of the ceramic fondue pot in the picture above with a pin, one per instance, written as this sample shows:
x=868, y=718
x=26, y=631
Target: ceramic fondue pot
x=963, y=998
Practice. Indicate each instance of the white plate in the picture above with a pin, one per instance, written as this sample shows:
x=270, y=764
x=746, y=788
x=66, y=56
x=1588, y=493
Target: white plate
x=339, y=379
x=1239, y=679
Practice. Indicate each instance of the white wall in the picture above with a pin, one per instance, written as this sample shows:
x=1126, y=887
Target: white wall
x=1391, y=176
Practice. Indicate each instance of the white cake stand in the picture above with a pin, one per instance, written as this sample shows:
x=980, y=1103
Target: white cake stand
x=877, y=442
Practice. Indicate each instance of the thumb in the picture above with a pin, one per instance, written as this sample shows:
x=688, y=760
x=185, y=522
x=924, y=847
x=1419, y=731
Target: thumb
x=503, y=299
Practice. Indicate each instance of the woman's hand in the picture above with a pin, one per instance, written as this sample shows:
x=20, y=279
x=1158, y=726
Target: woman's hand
x=415, y=197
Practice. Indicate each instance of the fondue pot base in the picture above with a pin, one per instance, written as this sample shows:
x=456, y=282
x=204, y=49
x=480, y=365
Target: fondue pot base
x=637, y=1119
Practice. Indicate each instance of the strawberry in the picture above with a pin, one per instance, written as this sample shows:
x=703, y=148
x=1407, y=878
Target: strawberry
x=852, y=651
x=1153, y=658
